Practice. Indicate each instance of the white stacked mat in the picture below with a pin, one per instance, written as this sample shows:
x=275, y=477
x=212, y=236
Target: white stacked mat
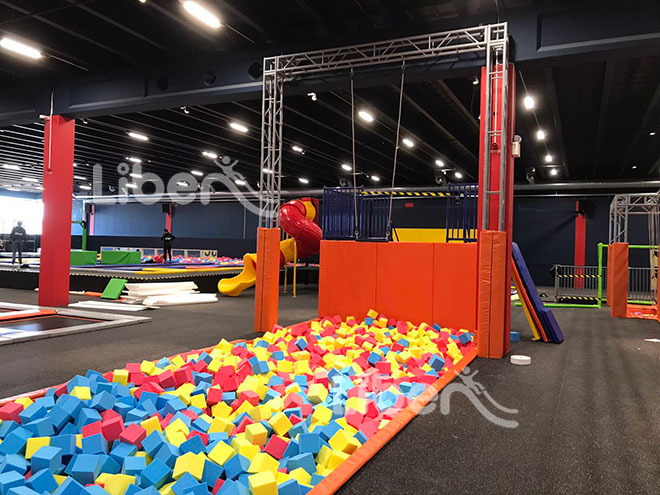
x=166, y=294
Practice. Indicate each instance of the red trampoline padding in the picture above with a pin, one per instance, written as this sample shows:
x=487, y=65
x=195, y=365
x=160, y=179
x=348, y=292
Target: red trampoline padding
x=370, y=448
x=26, y=313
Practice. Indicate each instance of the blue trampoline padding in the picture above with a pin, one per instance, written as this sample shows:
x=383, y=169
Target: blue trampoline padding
x=546, y=317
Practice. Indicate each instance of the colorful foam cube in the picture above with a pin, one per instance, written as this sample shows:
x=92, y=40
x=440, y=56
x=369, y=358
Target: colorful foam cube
x=189, y=463
x=133, y=434
x=221, y=453
x=43, y=481
x=85, y=468
x=156, y=474
x=263, y=483
x=9, y=480
x=134, y=465
x=47, y=457
x=256, y=434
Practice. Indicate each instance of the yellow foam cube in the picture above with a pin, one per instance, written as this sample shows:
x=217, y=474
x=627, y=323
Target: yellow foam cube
x=263, y=484
x=220, y=425
x=59, y=478
x=357, y=403
x=322, y=415
x=221, y=410
x=372, y=313
x=221, y=453
x=24, y=401
x=257, y=434
x=83, y=393
x=323, y=455
x=263, y=462
x=285, y=366
x=34, y=444
x=79, y=441
x=280, y=423
x=178, y=361
x=120, y=376
x=301, y=476
x=317, y=393
x=117, y=484
x=341, y=442
x=151, y=424
x=189, y=463
x=336, y=459
x=167, y=489
x=198, y=401
x=147, y=367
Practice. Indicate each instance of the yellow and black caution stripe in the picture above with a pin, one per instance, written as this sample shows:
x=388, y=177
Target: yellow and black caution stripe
x=578, y=276
x=428, y=194
x=590, y=299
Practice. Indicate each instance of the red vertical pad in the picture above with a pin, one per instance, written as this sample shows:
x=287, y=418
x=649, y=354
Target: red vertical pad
x=494, y=294
x=608, y=289
x=619, y=281
x=59, y=135
x=267, y=290
x=404, y=281
x=347, y=278
x=455, y=285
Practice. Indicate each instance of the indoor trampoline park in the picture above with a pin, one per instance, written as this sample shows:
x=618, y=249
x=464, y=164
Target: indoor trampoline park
x=313, y=247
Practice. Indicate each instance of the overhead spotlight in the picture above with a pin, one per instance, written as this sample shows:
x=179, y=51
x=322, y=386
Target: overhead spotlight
x=20, y=48
x=528, y=102
x=30, y=179
x=185, y=110
x=11, y=167
x=75, y=164
x=652, y=133
x=298, y=149
x=182, y=183
x=240, y=182
x=375, y=178
x=133, y=159
x=540, y=135
x=142, y=1
x=554, y=171
x=475, y=80
x=210, y=154
x=408, y=142
x=458, y=175
x=85, y=188
x=131, y=185
x=79, y=177
x=634, y=167
x=84, y=121
x=313, y=96
x=135, y=176
x=302, y=180
x=196, y=172
x=138, y=136
x=440, y=163
x=267, y=170
x=237, y=126
x=548, y=158
x=366, y=116
x=201, y=13
x=346, y=167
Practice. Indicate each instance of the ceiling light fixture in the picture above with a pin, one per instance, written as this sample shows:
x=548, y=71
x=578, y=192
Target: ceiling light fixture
x=210, y=154
x=133, y=159
x=11, y=167
x=554, y=171
x=312, y=96
x=196, y=172
x=548, y=158
x=408, y=142
x=75, y=164
x=182, y=183
x=20, y=48
x=297, y=149
x=240, y=182
x=131, y=185
x=634, y=167
x=267, y=170
x=440, y=163
x=458, y=175
x=540, y=135
x=185, y=110
x=85, y=188
x=375, y=178
x=528, y=102
x=366, y=116
x=237, y=126
x=138, y=136
x=204, y=15
x=302, y=180
x=475, y=80
x=652, y=133
x=30, y=179
x=346, y=167
x=136, y=176
x=79, y=177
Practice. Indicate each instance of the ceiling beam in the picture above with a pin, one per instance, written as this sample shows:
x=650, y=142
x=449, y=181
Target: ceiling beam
x=442, y=86
x=556, y=117
x=608, y=77
x=649, y=122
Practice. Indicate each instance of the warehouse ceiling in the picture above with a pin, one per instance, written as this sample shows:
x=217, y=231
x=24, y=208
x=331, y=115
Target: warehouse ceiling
x=599, y=115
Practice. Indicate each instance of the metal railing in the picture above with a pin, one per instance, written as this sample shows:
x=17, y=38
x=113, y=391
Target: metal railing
x=577, y=284
x=642, y=285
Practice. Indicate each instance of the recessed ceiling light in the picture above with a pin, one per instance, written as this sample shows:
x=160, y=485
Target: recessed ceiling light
x=79, y=177
x=408, y=142
x=475, y=80
x=138, y=136
x=134, y=160
x=75, y=164
x=202, y=14
x=85, y=188
x=11, y=167
x=196, y=172
x=440, y=163
x=30, y=179
x=458, y=175
x=346, y=167
x=366, y=116
x=302, y=180
x=240, y=182
x=182, y=183
x=142, y=1
x=210, y=154
x=634, y=167
x=130, y=185
x=20, y=48
x=237, y=126
x=312, y=96
x=540, y=134
x=652, y=133
x=375, y=178
x=267, y=170
x=528, y=102
x=297, y=149
x=554, y=171
x=548, y=158
x=136, y=176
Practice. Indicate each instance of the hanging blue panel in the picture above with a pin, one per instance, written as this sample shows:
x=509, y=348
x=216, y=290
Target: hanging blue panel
x=462, y=212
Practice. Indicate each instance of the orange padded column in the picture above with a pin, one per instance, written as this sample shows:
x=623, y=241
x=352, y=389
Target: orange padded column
x=608, y=288
x=618, y=277
x=494, y=296
x=267, y=292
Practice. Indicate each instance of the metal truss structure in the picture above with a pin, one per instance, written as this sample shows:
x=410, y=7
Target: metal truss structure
x=625, y=205
x=490, y=41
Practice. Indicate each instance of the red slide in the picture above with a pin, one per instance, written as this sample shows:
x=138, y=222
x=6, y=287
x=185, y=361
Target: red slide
x=297, y=219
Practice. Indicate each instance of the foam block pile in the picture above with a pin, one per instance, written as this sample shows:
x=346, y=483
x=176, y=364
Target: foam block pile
x=220, y=260
x=272, y=416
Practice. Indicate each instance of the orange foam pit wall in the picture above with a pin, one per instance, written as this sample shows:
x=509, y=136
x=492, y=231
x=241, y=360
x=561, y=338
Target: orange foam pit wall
x=618, y=254
x=455, y=285
x=494, y=294
x=267, y=293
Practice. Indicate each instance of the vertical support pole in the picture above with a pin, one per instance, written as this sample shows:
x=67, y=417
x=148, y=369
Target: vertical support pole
x=59, y=138
x=618, y=274
x=600, y=274
x=580, y=240
x=168, y=217
x=84, y=237
x=92, y=211
x=267, y=296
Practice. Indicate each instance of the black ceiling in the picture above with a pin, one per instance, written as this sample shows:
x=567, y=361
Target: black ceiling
x=598, y=114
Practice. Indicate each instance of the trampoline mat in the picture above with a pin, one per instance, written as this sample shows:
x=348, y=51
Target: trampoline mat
x=44, y=323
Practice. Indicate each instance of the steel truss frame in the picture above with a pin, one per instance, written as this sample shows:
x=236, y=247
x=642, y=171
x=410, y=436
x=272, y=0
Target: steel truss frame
x=624, y=205
x=491, y=41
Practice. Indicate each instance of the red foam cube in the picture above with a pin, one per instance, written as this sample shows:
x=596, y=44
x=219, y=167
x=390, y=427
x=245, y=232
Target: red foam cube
x=112, y=428
x=276, y=447
x=133, y=434
x=92, y=429
x=10, y=412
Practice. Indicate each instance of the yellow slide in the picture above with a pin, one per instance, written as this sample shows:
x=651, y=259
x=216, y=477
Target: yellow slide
x=247, y=278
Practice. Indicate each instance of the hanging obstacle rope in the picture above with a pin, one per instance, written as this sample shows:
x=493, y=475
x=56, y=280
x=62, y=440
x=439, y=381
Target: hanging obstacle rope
x=396, y=151
x=356, y=229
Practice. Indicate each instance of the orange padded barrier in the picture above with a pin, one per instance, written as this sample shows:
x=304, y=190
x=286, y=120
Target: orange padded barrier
x=347, y=278
x=494, y=294
x=26, y=313
x=404, y=281
x=608, y=288
x=455, y=285
x=618, y=270
x=267, y=292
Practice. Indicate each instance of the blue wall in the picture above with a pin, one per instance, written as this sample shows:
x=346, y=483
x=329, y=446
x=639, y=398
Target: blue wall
x=215, y=220
x=132, y=219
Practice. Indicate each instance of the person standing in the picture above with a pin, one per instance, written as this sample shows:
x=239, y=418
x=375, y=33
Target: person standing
x=167, y=239
x=17, y=238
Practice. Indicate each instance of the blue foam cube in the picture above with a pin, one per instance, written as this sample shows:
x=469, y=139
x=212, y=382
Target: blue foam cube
x=153, y=442
x=43, y=481
x=155, y=474
x=9, y=480
x=22, y=490
x=309, y=443
x=515, y=336
x=211, y=473
x=231, y=487
x=236, y=466
x=305, y=461
x=183, y=484
x=47, y=457
x=95, y=444
x=86, y=468
x=134, y=465
x=194, y=444
x=69, y=487
x=289, y=487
